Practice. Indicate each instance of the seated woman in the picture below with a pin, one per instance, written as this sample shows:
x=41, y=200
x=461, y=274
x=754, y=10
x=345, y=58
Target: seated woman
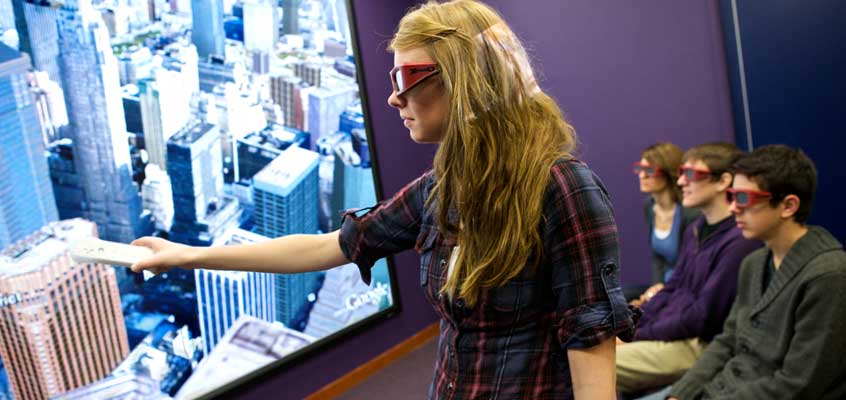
x=657, y=172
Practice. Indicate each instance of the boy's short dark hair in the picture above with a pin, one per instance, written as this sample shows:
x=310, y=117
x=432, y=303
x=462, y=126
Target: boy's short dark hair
x=718, y=156
x=782, y=170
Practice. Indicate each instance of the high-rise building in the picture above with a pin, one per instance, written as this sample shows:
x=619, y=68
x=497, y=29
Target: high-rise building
x=285, y=90
x=261, y=62
x=66, y=186
x=207, y=33
x=224, y=296
x=155, y=369
x=214, y=72
x=194, y=164
x=309, y=71
x=166, y=99
x=42, y=36
x=134, y=64
x=97, y=125
x=249, y=345
x=286, y=202
x=157, y=196
x=132, y=109
x=26, y=198
x=352, y=184
x=325, y=106
x=124, y=385
x=261, y=25
x=7, y=15
x=290, y=16
x=260, y=148
x=20, y=26
x=49, y=105
x=66, y=330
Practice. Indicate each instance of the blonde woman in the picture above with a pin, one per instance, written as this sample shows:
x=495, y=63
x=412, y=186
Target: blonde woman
x=517, y=239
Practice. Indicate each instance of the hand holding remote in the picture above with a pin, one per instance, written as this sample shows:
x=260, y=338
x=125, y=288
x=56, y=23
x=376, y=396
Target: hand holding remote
x=164, y=256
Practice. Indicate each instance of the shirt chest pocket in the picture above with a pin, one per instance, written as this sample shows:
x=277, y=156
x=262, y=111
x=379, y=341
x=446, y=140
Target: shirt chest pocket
x=514, y=296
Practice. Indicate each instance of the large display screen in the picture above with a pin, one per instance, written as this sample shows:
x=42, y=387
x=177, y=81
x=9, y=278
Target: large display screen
x=206, y=122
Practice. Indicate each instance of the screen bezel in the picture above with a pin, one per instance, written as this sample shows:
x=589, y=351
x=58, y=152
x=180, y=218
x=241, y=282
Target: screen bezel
x=254, y=378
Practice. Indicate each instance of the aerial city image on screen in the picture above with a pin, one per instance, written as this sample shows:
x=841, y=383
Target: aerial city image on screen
x=206, y=122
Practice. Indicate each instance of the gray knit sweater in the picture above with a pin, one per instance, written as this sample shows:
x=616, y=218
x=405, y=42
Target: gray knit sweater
x=786, y=343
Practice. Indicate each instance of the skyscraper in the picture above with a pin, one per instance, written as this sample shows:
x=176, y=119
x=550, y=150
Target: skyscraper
x=325, y=106
x=352, y=184
x=224, y=296
x=285, y=91
x=261, y=25
x=26, y=196
x=286, y=202
x=309, y=71
x=249, y=345
x=43, y=37
x=7, y=16
x=67, y=329
x=290, y=15
x=49, y=105
x=194, y=164
x=166, y=99
x=207, y=33
x=98, y=129
x=258, y=149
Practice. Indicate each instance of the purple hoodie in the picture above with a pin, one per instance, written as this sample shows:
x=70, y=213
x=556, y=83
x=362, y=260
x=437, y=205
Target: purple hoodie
x=696, y=300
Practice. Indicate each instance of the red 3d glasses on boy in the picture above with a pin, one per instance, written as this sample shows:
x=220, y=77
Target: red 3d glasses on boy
x=693, y=174
x=746, y=198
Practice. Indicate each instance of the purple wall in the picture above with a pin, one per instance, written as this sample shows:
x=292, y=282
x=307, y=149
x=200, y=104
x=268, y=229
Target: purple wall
x=626, y=75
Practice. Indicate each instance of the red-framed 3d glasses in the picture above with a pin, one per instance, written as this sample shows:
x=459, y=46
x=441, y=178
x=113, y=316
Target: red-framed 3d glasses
x=649, y=170
x=694, y=175
x=743, y=198
x=405, y=77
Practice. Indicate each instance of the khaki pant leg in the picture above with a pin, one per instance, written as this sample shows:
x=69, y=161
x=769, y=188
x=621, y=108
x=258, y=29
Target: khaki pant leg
x=650, y=364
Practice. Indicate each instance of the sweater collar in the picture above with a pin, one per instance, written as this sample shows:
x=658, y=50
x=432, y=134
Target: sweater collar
x=813, y=243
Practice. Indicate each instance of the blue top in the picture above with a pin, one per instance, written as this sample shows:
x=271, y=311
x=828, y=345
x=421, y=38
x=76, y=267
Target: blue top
x=668, y=247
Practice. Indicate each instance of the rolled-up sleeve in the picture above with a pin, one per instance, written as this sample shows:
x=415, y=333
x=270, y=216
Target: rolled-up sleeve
x=389, y=227
x=582, y=249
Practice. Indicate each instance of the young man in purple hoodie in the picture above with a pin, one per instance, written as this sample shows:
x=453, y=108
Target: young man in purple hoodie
x=680, y=319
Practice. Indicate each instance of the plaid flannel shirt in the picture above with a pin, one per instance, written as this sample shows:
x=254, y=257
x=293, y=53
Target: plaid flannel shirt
x=513, y=344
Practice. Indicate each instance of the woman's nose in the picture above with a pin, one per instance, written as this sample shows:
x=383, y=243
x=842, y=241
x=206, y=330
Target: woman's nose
x=396, y=101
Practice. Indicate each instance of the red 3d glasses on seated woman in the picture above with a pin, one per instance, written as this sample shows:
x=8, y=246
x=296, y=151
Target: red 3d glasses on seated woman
x=405, y=77
x=649, y=170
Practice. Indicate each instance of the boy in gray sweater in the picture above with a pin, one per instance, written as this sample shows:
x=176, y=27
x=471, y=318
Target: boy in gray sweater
x=785, y=337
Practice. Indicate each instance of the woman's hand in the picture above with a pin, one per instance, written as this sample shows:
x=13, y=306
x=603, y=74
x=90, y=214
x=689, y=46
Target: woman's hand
x=166, y=255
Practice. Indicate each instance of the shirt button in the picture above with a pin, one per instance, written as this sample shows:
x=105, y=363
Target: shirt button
x=449, y=386
x=443, y=262
x=440, y=296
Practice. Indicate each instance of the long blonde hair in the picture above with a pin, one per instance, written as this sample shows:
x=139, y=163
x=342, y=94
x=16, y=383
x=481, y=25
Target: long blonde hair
x=501, y=136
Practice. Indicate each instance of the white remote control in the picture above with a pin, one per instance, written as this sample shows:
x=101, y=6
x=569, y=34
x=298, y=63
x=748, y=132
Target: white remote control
x=93, y=250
